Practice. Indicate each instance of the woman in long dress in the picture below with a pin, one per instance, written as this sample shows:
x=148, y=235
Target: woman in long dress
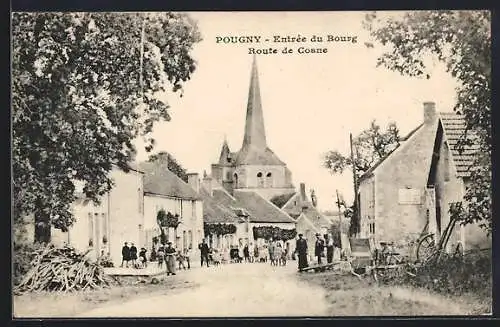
x=170, y=255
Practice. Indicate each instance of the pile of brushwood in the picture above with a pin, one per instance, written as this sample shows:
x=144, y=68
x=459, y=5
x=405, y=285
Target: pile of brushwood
x=61, y=269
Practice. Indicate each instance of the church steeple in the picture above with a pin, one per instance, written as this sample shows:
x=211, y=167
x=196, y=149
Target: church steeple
x=255, y=134
x=224, y=153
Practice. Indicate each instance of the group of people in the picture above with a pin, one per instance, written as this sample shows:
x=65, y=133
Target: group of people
x=131, y=258
x=319, y=250
x=273, y=252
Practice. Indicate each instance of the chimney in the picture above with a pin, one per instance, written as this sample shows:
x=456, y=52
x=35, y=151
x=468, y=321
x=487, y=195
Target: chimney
x=207, y=184
x=302, y=192
x=429, y=112
x=194, y=181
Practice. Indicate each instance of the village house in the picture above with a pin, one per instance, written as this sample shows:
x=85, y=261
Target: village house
x=309, y=221
x=410, y=190
x=163, y=190
x=103, y=228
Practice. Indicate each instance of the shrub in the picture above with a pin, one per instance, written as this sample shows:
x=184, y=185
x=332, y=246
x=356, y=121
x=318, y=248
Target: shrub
x=23, y=254
x=453, y=275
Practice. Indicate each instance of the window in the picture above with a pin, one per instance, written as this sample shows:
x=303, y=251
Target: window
x=139, y=192
x=190, y=239
x=235, y=180
x=446, y=163
x=184, y=240
x=228, y=176
x=91, y=229
x=269, y=180
x=260, y=180
x=104, y=228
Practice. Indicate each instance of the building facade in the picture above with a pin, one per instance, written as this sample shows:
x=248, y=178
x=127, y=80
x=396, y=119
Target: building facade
x=409, y=192
x=103, y=228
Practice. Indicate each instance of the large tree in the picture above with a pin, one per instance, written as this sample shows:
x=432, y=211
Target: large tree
x=369, y=147
x=164, y=158
x=462, y=41
x=84, y=86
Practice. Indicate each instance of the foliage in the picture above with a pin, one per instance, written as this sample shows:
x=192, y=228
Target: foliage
x=274, y=233
x=164, y=158
x=22, y=256
x=462, y=41
x=369, y=147
x=82, y=92
x=167, y=219
x=219, y=229
x=453, y=275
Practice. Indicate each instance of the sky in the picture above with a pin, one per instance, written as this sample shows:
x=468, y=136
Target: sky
x=311, y=102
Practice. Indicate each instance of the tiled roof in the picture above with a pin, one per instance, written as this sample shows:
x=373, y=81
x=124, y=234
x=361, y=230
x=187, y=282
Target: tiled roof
x=315, y=216
x=161, y=181
x=250, y=155
x=369, y=172
x=261, y=210
x=292, y=208
x=281, y=200
x=454, y=129
x=214, y=212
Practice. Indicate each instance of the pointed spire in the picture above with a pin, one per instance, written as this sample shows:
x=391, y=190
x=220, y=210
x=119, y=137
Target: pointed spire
x=225, y=153
x=255, y=134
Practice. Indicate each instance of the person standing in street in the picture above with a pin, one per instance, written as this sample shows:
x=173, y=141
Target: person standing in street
x=133, y=255
x=319, y=248
x=170, y=254
x=204, y=252
x=301, y=249
x=125, y=255
x=329, y=248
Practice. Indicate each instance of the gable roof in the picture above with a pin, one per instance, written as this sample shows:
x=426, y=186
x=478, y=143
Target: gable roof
x=261, y=210
x=281, y=200
x=454, y=127
x=214, y=212
x=160, y=181
x=251, y=155
x=370, y=171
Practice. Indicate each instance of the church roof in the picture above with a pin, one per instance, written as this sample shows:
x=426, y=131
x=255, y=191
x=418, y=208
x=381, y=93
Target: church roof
x=161, y=181
x=250, y=155
x=254, y=150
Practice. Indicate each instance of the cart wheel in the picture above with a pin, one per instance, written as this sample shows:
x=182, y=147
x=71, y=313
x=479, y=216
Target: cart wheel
x=425, y=248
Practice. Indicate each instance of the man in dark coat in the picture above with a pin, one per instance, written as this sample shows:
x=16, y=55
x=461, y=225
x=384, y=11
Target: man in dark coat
x=329, y=248
x=301, y=249
x=319, y=247
x=204, y=252
x=125, y=255
x=133, y=255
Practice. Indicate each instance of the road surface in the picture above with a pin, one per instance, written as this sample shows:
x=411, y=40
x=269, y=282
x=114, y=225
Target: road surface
x=231, y=290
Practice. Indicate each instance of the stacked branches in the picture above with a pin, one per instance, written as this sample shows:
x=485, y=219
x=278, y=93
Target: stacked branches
x=61, y=269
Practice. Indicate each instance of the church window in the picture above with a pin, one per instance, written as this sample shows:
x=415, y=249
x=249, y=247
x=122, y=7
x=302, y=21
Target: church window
x=260, y=180
x=228, y=176
x=235, y=180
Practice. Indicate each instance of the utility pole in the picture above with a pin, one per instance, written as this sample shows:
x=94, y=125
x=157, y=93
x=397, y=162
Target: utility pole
x=355, y=178
x=340, y=214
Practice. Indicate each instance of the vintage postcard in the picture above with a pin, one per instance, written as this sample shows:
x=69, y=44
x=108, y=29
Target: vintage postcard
x=251, y=164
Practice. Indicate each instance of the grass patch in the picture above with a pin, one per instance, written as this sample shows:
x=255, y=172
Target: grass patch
x=347, y=295
x=54, y=304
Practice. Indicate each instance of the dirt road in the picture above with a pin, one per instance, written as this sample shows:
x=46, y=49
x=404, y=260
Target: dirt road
x=233, y=290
